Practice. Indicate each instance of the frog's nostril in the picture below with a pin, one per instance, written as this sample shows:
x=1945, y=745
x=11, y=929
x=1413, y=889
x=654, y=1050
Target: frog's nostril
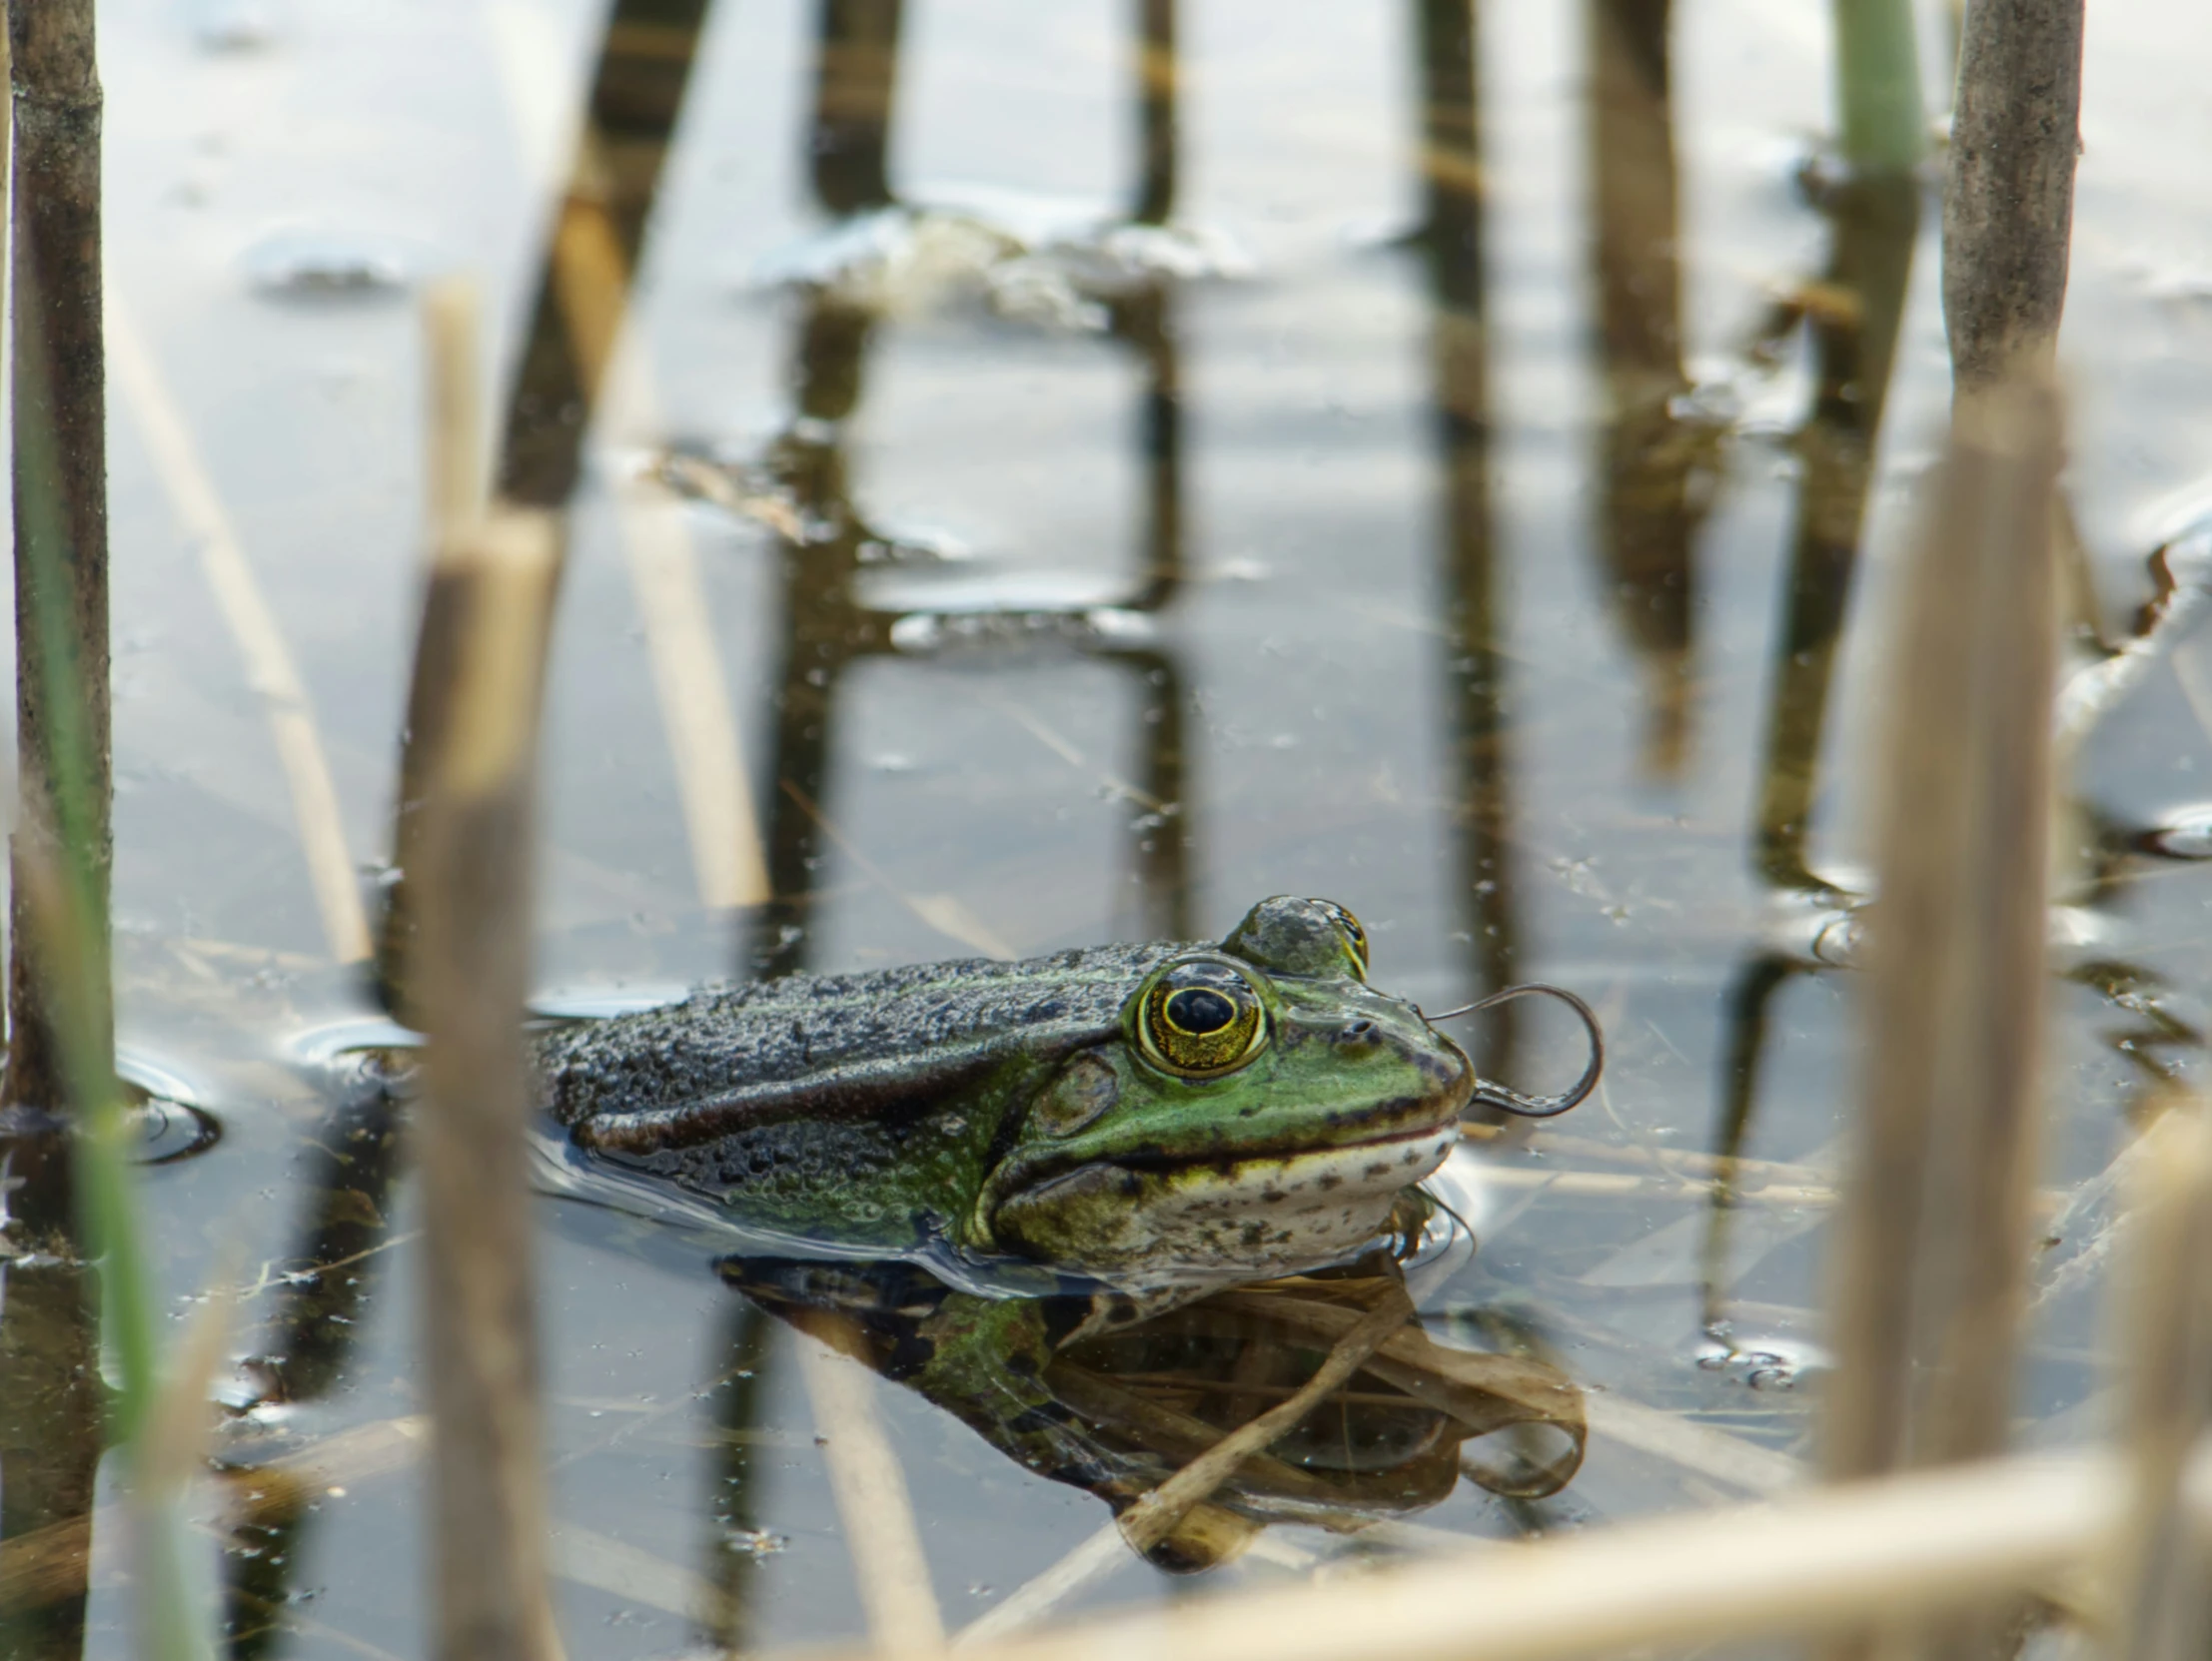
x=1358, y=1032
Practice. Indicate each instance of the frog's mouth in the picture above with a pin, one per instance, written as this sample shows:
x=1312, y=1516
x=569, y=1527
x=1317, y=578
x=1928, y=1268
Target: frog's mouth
x=1254, y=1210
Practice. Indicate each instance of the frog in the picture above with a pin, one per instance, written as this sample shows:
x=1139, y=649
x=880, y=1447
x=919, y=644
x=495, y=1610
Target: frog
x=1164, y=1115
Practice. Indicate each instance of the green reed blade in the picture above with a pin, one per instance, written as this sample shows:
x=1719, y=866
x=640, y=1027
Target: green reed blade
x=1877, y=65
x=67, y=908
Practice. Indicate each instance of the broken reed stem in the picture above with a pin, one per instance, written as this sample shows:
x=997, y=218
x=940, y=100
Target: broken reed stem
x=1814, y=1563
x=1154, y=1517
x=61, y=566
x=1877, y=65
x=1934, y=1240
x=454, y=507
x=490, y=604
x=2163, y=1553
x=873, y=1506
x=2009, y=202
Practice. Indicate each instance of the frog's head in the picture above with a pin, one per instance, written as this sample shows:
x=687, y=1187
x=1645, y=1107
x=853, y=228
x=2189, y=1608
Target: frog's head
x=1259, y=1112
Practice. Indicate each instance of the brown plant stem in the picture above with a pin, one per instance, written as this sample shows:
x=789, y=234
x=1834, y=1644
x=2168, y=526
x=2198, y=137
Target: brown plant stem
x=2008, y=203
x=489, y=606
x=59, y=483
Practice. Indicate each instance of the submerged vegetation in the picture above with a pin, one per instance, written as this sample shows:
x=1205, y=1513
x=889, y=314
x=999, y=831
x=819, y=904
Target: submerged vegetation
x=1860, y=1297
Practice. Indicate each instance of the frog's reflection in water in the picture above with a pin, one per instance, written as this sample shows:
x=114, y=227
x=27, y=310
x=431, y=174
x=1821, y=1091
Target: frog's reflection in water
x=1115, y=1409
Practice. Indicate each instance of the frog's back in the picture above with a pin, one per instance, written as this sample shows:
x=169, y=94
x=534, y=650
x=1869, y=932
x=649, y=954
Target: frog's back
x=726, y=1040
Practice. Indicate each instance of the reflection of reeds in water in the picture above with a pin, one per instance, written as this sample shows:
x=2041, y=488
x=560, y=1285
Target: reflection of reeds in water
x=1450, y=242
x=1657, y=464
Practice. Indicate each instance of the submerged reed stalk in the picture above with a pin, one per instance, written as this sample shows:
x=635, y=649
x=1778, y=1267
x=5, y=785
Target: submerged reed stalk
x=2008, y=205
x=489, y=601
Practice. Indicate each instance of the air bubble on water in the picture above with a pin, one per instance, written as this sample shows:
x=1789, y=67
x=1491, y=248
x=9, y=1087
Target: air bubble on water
x=1761, y=1362
x=2185, y=833
x=756, y=1542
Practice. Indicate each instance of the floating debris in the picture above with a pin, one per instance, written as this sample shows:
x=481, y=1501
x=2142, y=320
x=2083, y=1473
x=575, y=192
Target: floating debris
x=1039, y=261
x=316, y=265
x=234, y=25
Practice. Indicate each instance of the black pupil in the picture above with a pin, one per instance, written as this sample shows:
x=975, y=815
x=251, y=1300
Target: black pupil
x=1199, y=1011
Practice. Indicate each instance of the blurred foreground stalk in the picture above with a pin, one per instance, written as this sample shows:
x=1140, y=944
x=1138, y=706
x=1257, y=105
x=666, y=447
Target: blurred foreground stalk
x=1934, y=1241
x=61, y=1090
x=488, y=609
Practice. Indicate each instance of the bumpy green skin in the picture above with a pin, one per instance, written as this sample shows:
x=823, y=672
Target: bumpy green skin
x=1008, y=1107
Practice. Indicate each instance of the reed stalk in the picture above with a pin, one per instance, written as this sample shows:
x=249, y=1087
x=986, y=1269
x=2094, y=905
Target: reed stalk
x=58, y=388
x=2162, y=1563
x=1878, y=74
x=60, y=903
x=61, y=1050
x=1934, y=1242
x=490, y=602
x=2009, y=202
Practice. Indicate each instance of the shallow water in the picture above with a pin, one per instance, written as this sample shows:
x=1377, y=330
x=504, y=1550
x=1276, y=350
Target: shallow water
x=1427, y=554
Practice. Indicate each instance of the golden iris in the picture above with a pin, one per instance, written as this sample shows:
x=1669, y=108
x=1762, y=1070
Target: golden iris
x=1201, y=1018
x=1355, y=936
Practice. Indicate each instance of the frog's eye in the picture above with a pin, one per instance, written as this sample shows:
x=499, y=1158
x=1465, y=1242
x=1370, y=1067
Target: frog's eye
x=1355, y=936
x=1201, y=1018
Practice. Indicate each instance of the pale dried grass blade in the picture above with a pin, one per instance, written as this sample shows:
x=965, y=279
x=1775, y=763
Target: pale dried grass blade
x=1811, y=1564
x=1693, y=1446
x=455, y=486
x=1033, y=1602
x=874, y=1505
x=605, y=1564
x=1155, y=1516
x=270, y=668
x=2163, y=1559
x=180, y=1425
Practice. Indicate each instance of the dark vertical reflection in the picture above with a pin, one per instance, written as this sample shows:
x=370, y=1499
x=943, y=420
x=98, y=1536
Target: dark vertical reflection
x=856, y=82
x=1853, y=316
x=1146, y=321
x=350, y=1167
x=1748, y=1014
x=823, y=626
x=1655, y=471
x=591, y=251
x=740, y=1398
x=51, y=1430
x=348, y=1173
x=1854, y=335
x=1451, y=241
x=1156, y=111
x=593, y=245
